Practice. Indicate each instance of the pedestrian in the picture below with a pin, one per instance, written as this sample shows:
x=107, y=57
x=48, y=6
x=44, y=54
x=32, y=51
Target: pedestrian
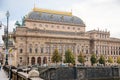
x=0, y=65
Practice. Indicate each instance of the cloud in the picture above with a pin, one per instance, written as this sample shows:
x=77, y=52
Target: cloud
x=2, y=15
x=11, y=26
x=102, y=14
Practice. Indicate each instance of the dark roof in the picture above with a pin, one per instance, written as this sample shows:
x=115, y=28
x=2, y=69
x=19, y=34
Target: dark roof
x=55, y=18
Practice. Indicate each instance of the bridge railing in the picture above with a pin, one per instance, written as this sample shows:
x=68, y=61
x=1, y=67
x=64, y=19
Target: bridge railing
x=22, y=74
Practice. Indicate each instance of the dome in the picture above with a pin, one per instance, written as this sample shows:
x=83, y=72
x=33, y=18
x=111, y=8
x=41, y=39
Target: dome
x=55, y=16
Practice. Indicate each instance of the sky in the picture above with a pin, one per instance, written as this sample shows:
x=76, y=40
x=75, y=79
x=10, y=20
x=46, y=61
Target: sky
x=96, y=14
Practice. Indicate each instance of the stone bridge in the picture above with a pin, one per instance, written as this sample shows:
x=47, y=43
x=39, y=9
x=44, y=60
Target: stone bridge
x=67, y=73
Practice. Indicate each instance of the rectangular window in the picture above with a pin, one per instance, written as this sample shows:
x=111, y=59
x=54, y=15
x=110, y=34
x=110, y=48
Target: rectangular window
x=36, y=50
x=42, y=50
x=21, y=50
x=30, y=50
x=20, y=59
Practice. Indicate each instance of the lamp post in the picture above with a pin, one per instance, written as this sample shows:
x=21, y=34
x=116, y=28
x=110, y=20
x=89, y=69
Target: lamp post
x=75, y=67
x=6, y=37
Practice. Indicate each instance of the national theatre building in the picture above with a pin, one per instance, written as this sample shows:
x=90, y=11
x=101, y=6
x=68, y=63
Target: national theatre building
x=45, y=30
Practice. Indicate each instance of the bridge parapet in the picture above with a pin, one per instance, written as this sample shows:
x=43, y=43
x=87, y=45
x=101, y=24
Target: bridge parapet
x=22, y=74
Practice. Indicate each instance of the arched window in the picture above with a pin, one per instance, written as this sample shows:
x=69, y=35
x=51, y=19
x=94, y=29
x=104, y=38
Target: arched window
x=20, y=59
x=40, y=25
x=36, y=50
x=114, y=52
x=86, y=51
x=48, y=49
x=68, y=27
x=39, y=60
x=33, y=60
x=44, y=60
x=41, y=49
x=96, y=52
x=21, y=50
x=30, y=50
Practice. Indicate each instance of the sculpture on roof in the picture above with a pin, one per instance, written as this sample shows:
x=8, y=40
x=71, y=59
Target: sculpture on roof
x=22, y=24
x=17, y=23
x=23, y=21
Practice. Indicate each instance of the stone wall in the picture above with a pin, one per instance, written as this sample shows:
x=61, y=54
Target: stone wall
x=58, y=74
x=82, y=73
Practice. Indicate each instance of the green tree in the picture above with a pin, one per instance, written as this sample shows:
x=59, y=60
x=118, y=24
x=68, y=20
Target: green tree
x=69, y=57
x=81, y=58
x=118, y=59
x=56, y=56
x=110, y=59
x=93, y=59
x=102, y=60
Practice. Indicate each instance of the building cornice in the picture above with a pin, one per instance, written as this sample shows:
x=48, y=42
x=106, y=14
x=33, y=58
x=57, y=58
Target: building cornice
x=106, y=40
x=55, y=37
x=50, y=22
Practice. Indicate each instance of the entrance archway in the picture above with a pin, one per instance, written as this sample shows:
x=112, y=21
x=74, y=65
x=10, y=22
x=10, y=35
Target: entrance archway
x=39, y=60
x=44, y=60
x=33, y=60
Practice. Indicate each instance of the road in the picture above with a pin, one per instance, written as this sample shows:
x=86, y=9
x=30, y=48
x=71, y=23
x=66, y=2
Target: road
x=3, y=75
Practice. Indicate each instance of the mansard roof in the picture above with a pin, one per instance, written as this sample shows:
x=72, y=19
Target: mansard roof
x=54, y=16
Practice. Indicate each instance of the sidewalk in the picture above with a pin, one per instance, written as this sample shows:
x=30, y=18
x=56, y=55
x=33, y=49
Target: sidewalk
x=3, y=75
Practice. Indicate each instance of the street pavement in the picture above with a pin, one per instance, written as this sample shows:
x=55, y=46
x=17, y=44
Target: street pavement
x=3, y=75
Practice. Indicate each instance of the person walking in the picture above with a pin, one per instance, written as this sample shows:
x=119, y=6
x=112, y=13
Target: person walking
x=0, y=65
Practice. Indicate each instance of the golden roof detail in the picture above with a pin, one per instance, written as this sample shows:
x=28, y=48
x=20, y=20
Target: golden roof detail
x=52, y=11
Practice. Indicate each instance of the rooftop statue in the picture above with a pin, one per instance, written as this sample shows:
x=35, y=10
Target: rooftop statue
x=23, y=21
x=17, y=23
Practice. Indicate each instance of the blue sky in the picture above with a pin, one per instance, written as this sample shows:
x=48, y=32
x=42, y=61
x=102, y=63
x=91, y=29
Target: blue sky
x=102, y=14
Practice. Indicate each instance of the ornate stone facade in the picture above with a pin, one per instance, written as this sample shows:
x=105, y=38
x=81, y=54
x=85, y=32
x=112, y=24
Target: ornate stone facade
x=44, y=30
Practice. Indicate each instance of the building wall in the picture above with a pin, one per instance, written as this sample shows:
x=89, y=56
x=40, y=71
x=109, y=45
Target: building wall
x=44, y=39
x=53, y=26
x=37, y=35
x=36, y=41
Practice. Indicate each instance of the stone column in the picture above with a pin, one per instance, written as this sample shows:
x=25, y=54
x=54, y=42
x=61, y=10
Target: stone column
x=35, y=59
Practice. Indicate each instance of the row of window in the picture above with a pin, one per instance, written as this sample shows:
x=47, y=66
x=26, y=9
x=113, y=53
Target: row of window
x=108, y=52
x=102, y=36
x=108, y=47
x=52, y=49
x=33, y=60
x=58, y=27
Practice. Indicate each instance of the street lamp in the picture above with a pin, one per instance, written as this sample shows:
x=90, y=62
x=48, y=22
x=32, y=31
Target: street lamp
x=6, y=37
